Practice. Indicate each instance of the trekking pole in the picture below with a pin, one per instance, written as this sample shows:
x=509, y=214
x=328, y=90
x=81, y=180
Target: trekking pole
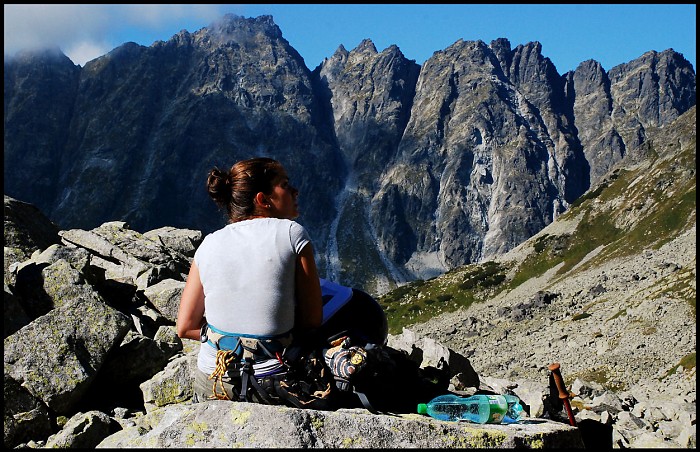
x=563, y=393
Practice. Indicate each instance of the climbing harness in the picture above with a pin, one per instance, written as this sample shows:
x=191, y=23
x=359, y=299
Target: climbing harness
x=246, y=356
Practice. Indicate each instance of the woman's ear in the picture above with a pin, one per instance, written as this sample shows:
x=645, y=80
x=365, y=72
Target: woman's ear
x=261, y=200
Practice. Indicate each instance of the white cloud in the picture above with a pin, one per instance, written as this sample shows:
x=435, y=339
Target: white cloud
x=85, y=32
x=30, y=27
x=160, y=15
x=84, y=51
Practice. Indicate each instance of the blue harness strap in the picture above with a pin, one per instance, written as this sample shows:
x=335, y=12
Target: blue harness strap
x=224, y=340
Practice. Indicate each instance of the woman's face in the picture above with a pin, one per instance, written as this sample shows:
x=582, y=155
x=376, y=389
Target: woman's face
x=283, y=199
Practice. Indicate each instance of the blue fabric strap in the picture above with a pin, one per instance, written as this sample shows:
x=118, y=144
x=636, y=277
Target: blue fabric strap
x=254, y=336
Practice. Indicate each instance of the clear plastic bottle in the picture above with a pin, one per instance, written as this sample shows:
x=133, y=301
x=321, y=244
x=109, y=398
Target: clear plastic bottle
x=480, y=408
x=515, y=409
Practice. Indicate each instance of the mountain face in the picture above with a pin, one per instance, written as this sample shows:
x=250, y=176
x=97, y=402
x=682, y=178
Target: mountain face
x=608, y=289
x=404, y=171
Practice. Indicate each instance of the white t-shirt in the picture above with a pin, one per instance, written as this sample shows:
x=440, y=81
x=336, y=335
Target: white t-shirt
x=248, y=271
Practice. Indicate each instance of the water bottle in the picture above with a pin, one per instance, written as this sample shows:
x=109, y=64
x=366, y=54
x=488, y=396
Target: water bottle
x=514, y=409
x=480, y=408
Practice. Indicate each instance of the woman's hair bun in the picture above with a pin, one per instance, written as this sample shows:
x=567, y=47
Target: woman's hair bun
x=219, y=186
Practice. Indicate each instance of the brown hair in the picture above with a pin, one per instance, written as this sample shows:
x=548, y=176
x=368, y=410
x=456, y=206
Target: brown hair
x=235, y=190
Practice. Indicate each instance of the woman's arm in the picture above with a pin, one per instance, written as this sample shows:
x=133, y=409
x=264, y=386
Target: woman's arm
x=309, y=313
x=191, y=313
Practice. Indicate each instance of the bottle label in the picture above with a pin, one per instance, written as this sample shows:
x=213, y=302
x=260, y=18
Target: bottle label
x=498, y=410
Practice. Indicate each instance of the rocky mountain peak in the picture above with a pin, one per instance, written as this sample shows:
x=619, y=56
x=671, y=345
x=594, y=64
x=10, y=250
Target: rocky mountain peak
x=502, y=50
x=232, y=26
x=46, y=55
x=341, y=50
x=590, y=66
x=366, y=46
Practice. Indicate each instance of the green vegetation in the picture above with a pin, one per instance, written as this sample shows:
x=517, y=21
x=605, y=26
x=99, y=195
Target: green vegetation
x=487, y=275
x=672, y=211
x=590, y=195
x=666, y=198
x=421, y=300
x=598, y=375
x=537, y=264
x=580, y=316
x=687, y=363
x=648, y=330
x=619, y=313
x=591, y=233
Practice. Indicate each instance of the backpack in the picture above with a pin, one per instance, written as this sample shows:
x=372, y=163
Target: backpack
x=364, y=367
x=388, y=381
x=343, y=364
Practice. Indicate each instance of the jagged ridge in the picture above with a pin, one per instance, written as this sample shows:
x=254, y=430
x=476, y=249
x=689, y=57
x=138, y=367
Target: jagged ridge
x=439, y=165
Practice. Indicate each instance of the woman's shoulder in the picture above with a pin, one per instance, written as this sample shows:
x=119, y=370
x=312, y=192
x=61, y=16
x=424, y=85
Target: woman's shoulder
x=256, y=223
x=283, y=223
x=293, y=225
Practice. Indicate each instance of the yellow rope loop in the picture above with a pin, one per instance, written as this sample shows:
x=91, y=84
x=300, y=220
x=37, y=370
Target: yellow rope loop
x=223, y=359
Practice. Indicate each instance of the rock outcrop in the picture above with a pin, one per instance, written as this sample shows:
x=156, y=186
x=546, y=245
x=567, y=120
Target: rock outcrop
x=233, y=424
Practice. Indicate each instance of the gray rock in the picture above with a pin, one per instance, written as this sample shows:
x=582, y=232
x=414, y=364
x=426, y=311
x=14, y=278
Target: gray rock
x=586, y=388
x=172, y=385
x=15, y=317
x=153, y=355
x=165, y=296
x=608, y=402
x=226, y=424
x=147, y=321
x=83, y=431
x=427, y=352
x=24, y=416
x=687, y=437
x=184, y=241
x=26, y=227
x=652, y=440
x=56, y=356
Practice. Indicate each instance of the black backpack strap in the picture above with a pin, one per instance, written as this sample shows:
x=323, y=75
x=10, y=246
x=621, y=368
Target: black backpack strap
x=248, y=377
x=284, y=394
x=245, y=378
x=365, y=402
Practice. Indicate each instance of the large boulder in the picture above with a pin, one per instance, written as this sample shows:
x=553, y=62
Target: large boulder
x=248, y=425
x=26, y=229
x=56, y=356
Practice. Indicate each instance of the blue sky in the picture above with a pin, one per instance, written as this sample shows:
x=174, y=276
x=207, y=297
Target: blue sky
x=611, y=34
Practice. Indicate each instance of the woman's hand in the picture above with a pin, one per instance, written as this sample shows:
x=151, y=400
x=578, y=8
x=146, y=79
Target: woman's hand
x=190, y=316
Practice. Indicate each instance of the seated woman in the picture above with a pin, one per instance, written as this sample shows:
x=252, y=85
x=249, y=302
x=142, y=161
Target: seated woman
x=255, y=279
